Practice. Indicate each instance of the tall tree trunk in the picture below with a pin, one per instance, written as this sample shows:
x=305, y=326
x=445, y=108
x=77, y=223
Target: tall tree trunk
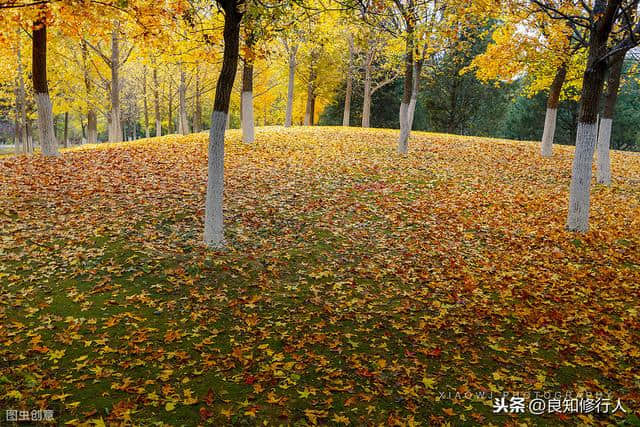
x=183, y=121
x=21, y=103
x=146, y=104
x=29, y=127
x=309, y=114
x=417, y=70
x=603, y=163
x=197, y=114
x=248, y=132
x=405, y=130
x=586, y=135
x=92, y=117
x=552, y=111
x=156, y=102
x=366, y=97
x=115, y=130
x=48, y=143
x=346, y=115
x=17, y=136
x=292, y=72
x=213, y=217
x=170, y=124
x=65, y=138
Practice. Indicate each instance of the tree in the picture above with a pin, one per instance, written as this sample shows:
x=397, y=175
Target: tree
x=48, y=143
x=542, y=49
x=213, y=219
x=599, y=20
x=606, y=119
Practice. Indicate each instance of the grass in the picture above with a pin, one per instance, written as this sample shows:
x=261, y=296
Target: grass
x=356, y=287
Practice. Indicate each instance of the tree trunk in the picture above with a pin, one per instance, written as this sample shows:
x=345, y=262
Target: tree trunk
x=48, y=143
x=417, y=70
x=366, y=97
x=29, y=137
x=21, y=103
x=346, y=115
x=92, y=117
x=156, y=102
x=552, y=111
x=603, y=163
x=213, y=217
x=405, y=130
x=586, y=135
x=292, y=72
x=146, y=104
x=247, y=99
x=183, y=121
x=170, y=97
x=66, y=130
x=197, y=115
x=309, y=115
x=115, y=130
x=17, y=137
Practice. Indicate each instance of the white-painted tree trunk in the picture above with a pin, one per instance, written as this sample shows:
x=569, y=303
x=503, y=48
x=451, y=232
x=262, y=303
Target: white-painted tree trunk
x=213, y=226
x=579, y=193
x=248, y=133
x=549, y=132
x=182, y=95
x=403, y=141
x=604, y=162
x=411, y=109
x=292, y=72
x=48, y=143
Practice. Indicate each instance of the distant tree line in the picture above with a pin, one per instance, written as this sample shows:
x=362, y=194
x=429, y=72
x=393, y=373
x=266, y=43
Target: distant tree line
x=452, y=102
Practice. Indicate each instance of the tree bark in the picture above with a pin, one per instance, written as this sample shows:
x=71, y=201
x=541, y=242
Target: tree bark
x=292, y=72
x=403, y=141
x=366, y=97
x=145, y=102
x=182, y=95
x=346, y=115
x=21, y=104
x=552, y=111
x=417, y=70
x=92, y=117
x=156, y=102
x=213, y=218
x=48, y=143
x=115, y=129
x=309, y=111
x=603, y=164
x=248, y=130
x=197, y=114
x=170, y=97
x=586, y=135
x=66, y=130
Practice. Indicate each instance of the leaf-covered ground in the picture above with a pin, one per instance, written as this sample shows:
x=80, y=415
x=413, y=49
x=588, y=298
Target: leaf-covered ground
x=357, y=285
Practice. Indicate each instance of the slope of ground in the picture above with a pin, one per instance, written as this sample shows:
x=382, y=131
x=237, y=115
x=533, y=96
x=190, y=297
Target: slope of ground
x=357, y=286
